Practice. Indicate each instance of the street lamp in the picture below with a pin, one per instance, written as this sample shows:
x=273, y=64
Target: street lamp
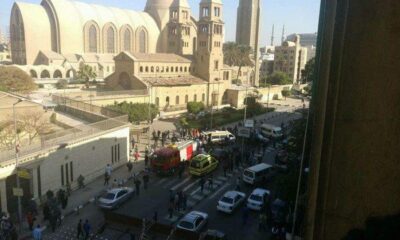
x=244, y=118
x=16, y=164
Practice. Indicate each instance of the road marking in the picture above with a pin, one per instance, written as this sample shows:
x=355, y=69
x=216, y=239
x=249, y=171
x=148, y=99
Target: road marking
x=159, y=182
x=190, y=185
x=195, y=191
x=198, y=197
x=180, y=184
x=172, y=183
x=220, y=190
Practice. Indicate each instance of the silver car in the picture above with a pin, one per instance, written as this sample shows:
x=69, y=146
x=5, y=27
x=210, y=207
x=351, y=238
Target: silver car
x=193, y=221
x=115, y=197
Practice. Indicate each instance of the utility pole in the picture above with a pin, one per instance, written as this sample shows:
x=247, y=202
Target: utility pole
x=244, y=120
x=16, y=165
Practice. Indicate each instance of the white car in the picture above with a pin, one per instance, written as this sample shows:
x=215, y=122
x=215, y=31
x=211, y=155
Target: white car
x=113, y=198
x=258, y=198
x=193, y=221
x=230, y=201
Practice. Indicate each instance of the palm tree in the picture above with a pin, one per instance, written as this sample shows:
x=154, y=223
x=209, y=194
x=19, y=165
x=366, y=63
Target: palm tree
x=86, y=73
x=237, y=55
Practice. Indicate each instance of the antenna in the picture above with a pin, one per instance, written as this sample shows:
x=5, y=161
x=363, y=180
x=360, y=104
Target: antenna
x=283, y=34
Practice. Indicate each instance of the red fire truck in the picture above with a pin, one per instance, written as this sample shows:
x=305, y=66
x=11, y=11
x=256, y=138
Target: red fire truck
x=166, y=160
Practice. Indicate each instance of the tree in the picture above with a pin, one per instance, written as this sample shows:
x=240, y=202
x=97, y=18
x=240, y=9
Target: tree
x=195, y=107
x=285, y=93
x=33, y=124
x=137, y=112
x=278, y=78
x=237, y=55
x=62, y=84
x=308, y=73
x=13, y=79
x=86, y=73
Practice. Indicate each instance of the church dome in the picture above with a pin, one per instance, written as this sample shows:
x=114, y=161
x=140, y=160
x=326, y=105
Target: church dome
x=158, y=3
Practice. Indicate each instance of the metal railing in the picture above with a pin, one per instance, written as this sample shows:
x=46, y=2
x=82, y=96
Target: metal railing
x=64, y=137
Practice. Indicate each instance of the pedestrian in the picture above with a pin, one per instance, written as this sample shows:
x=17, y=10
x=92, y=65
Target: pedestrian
x=115, y=183
x=30, y=219
x=171, y=209
x=37, y=233
x=202, y=182
x=136, y=155
x=46, y=212
x=137, y=186
x=210, y=182
x=158, y=133
x=225, y=167
x=181, y=169
x=238, y=184
x=81, y=180
x=146, y=160
x=155, y=217
x=184, y=201
x=53, y=220
x=79, y=229
x=145, y=180
x=130, y=166
x=87, y=228
x=108, y=169
x=177, y=201
x=262, y=222
x=245, y=215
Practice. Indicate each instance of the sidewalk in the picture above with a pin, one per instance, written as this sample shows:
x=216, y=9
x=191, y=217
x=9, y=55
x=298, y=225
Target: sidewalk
x=80, y=198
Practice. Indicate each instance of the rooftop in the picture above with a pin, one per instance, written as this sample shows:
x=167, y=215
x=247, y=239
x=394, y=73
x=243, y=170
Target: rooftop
x=160, y=57
x=174, y=81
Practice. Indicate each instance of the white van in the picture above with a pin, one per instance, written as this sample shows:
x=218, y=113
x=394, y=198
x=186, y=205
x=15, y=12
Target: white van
x=268, y=130
x=220, y=136
x=256, y=173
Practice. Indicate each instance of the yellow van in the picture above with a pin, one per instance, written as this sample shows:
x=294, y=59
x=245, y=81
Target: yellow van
x=202, y=164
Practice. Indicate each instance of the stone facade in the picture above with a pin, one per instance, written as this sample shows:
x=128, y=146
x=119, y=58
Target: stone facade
x=290, y=58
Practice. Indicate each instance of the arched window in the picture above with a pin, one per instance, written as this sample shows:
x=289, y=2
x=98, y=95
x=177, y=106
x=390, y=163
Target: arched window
x=195, y=98
x=167, y=69
x=172, y=69
x=110, y=40
x=57, y=74
x=157, y=69
x=181, y=69
x=142, y=41
x=203, y=97
x=152, y=69
x=33, y=73
x=157, y=101
x=92, y=39
x=186, y=99
x=185, y=69
x=45, y=74
x=147, y=69
x=176, y=69
x=167, y=100
x=127, y=40
x=141, y=69
x=177, y=100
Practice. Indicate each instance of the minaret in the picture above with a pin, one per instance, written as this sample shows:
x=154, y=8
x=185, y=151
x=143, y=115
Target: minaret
x=283, y=34
x=272, y=35
x=179, y=28
x=210, y=36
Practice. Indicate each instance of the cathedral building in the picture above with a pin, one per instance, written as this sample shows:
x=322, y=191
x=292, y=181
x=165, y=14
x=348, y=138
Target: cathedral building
x=164, y=48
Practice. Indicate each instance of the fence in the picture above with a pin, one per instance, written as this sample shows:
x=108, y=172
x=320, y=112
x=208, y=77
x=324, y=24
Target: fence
x=64, y=136
x=86, y=107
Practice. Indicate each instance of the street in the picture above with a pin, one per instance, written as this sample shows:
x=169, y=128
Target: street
x=156, y=199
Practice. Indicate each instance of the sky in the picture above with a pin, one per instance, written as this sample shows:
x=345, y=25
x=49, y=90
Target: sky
x=298, y=16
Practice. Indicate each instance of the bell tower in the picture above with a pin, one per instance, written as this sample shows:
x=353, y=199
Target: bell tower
x=209, y=55
x=179, y=28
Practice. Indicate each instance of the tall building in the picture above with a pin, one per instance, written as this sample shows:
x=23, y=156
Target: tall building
x=308, y=40
x=247, y=22
x=248, y=29
x=290, y=58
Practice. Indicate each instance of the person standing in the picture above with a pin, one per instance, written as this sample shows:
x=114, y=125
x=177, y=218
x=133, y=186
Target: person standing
x=137, y=155
x=137, y=186
x=79, y=229
x=108, y=169
x=37, y=233
x=30, y=219
x=146, y=160
x=210, y=182
x=87, y=228
x=202, y=182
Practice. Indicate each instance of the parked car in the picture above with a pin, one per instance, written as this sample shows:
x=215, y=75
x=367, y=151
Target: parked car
x=230, y=201
x=258, y=199
x=113, y=198
x=193, y=221
x=259, y=137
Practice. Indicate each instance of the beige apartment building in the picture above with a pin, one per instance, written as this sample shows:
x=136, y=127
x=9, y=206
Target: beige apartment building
x=290, y=58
